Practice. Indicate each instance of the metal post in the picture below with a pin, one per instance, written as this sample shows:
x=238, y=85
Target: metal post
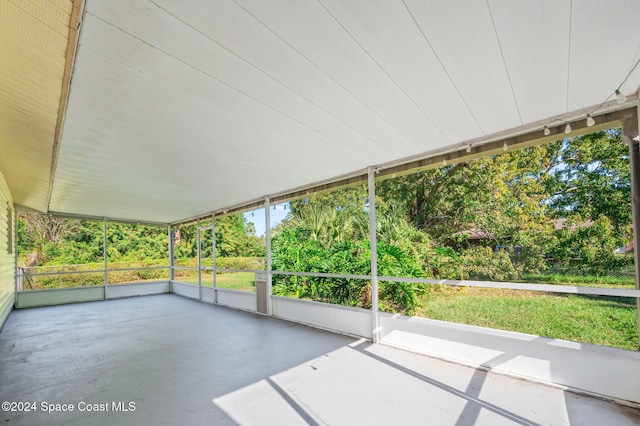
x=630, y=133
x=267, y=237
x=213, y=253
x=104, y=252
x=373, y=248
x=199, y=262
x=170, y=237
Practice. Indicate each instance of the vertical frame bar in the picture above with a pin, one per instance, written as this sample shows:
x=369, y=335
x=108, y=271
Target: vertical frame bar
x=170, y=236
x=106, y=257
x=267, y=237
x=213, y=254
x=631, y=135
x=373, y=248
x=199, y=261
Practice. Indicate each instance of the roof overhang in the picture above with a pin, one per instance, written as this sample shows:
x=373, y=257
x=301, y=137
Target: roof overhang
x=176, y=109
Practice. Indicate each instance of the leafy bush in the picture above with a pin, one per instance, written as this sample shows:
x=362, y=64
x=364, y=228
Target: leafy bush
x=294, y=250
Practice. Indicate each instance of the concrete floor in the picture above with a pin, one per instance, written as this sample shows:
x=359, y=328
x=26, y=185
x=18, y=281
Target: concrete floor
x=183, y=362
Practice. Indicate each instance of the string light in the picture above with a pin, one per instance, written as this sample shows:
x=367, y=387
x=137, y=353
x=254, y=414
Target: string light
x=620, y=99
x=505, y=147
x=469, y=148
x=444, y=162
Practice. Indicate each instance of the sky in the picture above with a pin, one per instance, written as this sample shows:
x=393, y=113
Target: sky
x=257, y=217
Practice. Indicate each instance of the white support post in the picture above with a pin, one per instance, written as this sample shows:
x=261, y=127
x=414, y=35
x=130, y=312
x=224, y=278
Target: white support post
x=170, y=245
x=199, y=261
x=632, y=137
x=267, y=237
x=213, y=253
x=373, y=245
x=105, y=255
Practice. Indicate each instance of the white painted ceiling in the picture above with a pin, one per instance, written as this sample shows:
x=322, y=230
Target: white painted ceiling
x=178, y=108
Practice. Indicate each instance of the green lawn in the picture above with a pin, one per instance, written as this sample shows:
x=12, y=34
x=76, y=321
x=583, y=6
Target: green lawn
x=244, y=281
x=601, y=320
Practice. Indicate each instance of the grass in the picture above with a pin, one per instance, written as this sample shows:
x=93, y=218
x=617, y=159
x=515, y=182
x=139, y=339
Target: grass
x=600, y=320
x=244, y=281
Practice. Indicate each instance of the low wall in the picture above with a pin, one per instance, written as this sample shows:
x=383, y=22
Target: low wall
x=187, y=290
x=244, y=300
x=598, y=370
x=341, y=319
x=59, y=296
x=117, y=291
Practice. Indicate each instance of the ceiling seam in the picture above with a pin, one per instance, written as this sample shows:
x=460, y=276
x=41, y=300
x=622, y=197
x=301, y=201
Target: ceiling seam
x=513, y=93
x=260, y=70
x=633, y=65
x=384, y=71
x=566, y=108
x=364, y=104
x=212, y=77
x=424, y=36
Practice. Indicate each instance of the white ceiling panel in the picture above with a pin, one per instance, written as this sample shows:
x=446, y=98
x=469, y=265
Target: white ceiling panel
x=177, y=109
x=461, y=34
x=388, y=34
x=280, y=59
x=534, y=39
x=605, y=38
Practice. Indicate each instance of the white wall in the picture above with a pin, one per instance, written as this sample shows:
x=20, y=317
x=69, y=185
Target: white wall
x=342, y=319
x=245, y=300
x=609, y=372
x=59, y=296
x=7, y=251
x=187, y=290
x=116, y=291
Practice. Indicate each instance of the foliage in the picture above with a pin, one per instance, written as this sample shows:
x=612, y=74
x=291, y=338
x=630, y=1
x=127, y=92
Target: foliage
x=235, y=236
x=49, y=240
x=329, y=240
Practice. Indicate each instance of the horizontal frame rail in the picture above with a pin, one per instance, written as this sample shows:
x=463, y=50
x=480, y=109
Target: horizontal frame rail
x=39, y=274
x=322, y=275
x=547, y=288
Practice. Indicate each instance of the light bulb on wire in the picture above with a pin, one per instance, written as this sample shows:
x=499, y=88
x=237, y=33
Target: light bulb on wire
x=620, y=98
x=567, y=128
x=547, y=132
x=590, y=120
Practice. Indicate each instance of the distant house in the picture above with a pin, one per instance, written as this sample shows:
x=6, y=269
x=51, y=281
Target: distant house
x=470, y=237
x=479, y=237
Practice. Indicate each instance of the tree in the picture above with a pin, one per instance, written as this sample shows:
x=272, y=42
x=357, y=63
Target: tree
x=235, y=236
